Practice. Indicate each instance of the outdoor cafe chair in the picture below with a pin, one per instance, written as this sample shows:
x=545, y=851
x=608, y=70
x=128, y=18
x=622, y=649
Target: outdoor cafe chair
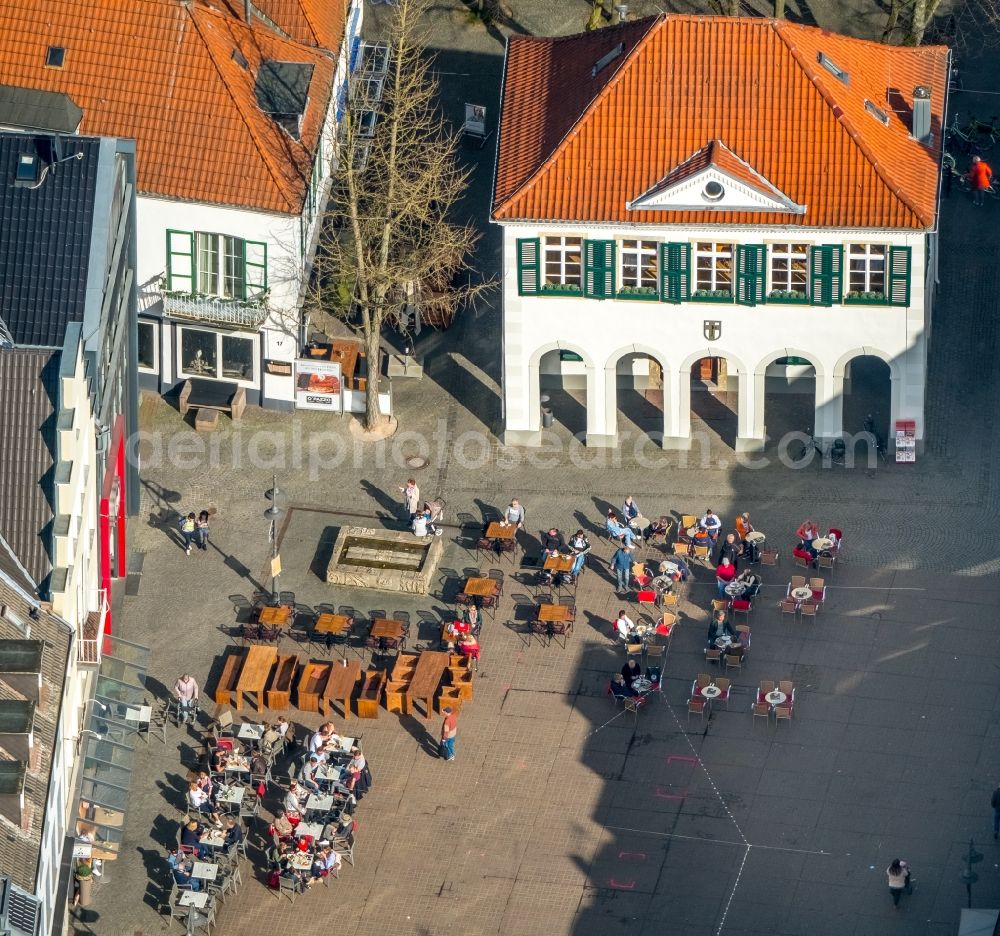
x=808, y=609
x=723, y=683
x=801, y=562
x=734, y=661
x=789, y=606
x=703, y=552
x=769, y=557
x=713, y=654
x=741, y=606
x=782, y=713
x=797, y=581
x=760, y=710
x=696, y=707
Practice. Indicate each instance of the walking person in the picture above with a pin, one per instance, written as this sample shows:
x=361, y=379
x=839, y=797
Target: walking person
x=186, y=693
x=995, y=803
x=201, y=530
x=621, y=564
x=979, y=176
x=188, y=525
x=898, y=874
x=411, y=498
x=449, y=728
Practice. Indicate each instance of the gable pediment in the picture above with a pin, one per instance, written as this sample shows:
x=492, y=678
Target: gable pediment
x=715, y=179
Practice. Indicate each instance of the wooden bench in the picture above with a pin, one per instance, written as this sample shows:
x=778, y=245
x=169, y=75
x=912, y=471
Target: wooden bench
x=200, y=394
x=449, y=695
x=206, y=420
x=312, y=683
x=371, y=694
x=225, y=688
x=279, y=693
x=396, y=699
x=462, y=681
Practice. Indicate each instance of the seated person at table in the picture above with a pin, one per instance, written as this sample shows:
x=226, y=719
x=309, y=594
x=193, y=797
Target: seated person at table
x=580, y=546
x=631, y=670
x=469, y=646
x=198, y=799
x=323, y=738
x=205, y=784
x=336, y=827
x=617, y=531
x=751, y=584
x=702, y=538
x=191, y=838
x=220, y=760
x=624, y=626
x=552, y=545
x=743, y=525
x=325, y=861
x=805, y=551
x=736, y=648
x=307, y=775
x=676, y=568
x=472, y=618
x=280, y=860
x=354, y=769
x=281, y=828
x=711, y=524
x=807, y=532
x=294, y=800
x=181, y=869
x=630, y=510
x=724, y=574
x=514, y=514
x=621, y=689
x=657, y=527
x=233, y=836
x=270, y=740
x=719, y=627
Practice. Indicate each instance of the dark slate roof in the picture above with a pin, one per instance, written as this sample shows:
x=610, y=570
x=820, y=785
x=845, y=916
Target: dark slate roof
x=45, y=248
x=21, y=847
x=29, y=386
x=11, y=566
x=38, y=110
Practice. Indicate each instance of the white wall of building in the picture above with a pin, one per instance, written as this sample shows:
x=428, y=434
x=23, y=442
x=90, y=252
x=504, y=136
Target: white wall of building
x=604, y=331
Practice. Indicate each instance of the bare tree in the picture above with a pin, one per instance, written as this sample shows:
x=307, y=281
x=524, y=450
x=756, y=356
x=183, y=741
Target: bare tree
x=387, y=242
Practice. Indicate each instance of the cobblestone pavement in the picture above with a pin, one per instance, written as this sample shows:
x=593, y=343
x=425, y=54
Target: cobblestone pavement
x=560, y=814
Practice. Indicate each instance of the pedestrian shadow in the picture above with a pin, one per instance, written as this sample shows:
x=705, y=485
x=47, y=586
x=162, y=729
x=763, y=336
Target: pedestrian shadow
x=418, y=730
x=586, y=524
x=391, y=506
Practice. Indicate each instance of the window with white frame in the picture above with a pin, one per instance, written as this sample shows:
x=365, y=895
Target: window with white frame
x=638, y=264
x=563, y=261
x=789, y=267
x=220, y=265
x=866, y=268
x=213, y=354
x=713, y=267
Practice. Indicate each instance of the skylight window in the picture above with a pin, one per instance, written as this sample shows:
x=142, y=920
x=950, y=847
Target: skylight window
x=55, y=56
x=240, y=59
x=880, y=115
x=27, y=168
x=833, y=68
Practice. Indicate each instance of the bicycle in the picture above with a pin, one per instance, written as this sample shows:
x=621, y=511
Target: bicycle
x=976, y=137
x=870, y=430
x=962, y=180
x=833, y=450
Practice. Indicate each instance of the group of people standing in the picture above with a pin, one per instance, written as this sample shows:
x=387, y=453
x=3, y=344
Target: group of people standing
x=194, y=529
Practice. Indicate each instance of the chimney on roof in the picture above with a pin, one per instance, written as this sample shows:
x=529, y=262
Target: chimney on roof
x=921, y=129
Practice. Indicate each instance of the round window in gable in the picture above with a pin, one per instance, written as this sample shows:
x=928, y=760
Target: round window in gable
x=712, y=191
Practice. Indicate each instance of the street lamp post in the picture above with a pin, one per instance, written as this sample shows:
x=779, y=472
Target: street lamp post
x=968, y=875
x=273, y=514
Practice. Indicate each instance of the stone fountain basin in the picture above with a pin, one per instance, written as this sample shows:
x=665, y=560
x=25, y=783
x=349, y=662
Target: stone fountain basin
x=384, y=560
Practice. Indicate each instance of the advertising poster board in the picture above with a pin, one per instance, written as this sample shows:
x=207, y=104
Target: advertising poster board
x=318, y=385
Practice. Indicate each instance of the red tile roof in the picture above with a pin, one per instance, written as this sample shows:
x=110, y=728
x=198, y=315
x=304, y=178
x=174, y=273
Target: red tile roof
x=577, y=148
x=163, y=72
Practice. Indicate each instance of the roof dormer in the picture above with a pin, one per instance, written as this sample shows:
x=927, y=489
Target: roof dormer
x=714, y=179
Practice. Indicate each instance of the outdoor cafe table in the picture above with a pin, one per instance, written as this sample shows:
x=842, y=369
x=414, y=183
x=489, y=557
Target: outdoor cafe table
x=237, y=764
x=302, y=861
x=501, y=531
x=330, y=773
x=213, y=839
x=191, y=898
x=735, y=589
x=426, y=678
x=315, y=829
x=756, y=537
x=559, y=563
x=319, y=802
x=230, y=796
x=549, y=613
x=822, y=542
x=641, y=684
x=253, y=677
x=708, y=693
x=343, y=678
x=250, y=732
x=802, y=594
x=480, y=587
x=384, y=628
x=775, y=697
x=205, y=871
x=274, y=616
x=331, y=625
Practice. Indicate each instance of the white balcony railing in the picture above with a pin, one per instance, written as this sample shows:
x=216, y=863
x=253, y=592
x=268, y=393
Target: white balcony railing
x=90, y=640
x=248, y=314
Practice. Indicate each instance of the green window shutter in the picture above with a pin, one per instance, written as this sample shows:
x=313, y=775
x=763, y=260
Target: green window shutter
x=826, y=266
x=898, y=288
x=180, y=261
x=255, y=267
x=599, y=269
x=750, y=266
x=528, y=258
x=675, y=272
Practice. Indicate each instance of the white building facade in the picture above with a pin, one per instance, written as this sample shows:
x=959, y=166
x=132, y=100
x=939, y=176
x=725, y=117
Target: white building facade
x=665, y=225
